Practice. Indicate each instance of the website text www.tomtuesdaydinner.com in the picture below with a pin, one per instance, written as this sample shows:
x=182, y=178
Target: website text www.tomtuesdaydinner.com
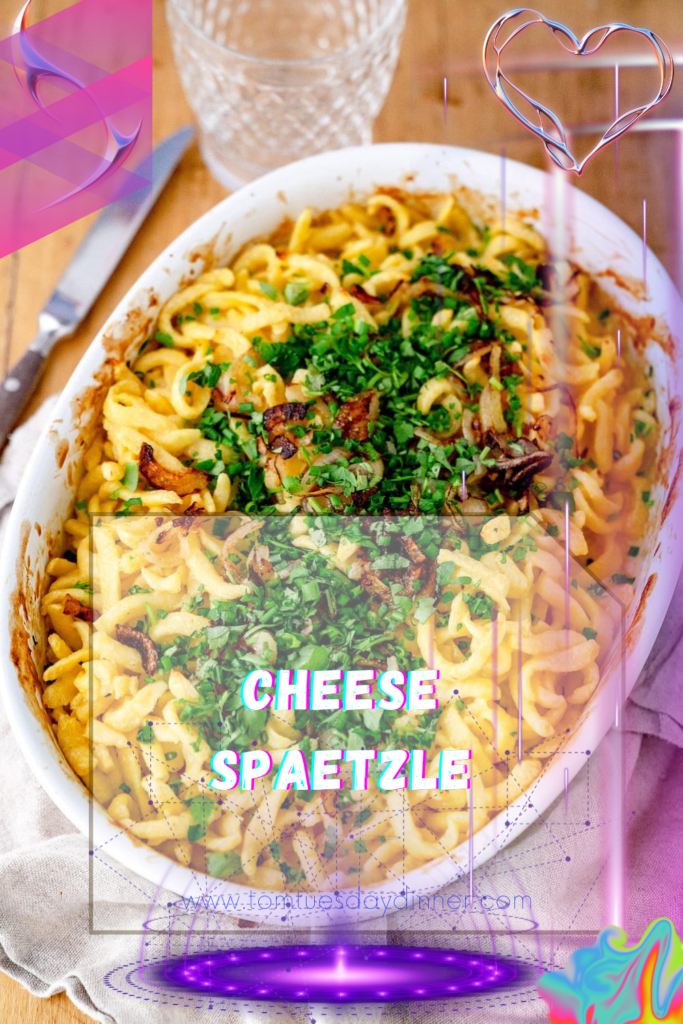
x=353, y=900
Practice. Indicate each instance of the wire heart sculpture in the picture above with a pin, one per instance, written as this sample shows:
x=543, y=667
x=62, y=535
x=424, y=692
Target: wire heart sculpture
x=556, y=145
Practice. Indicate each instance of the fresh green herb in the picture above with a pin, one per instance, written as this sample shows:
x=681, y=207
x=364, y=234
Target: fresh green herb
x=145, y=735
x=130, y=477
x=439, y=269
x=521, y=276
x=268, y=290
x=128, y=505
x=296, y=293
x=480, y=605
x=223, y=865
x=592, y=351
x=208, y=376
x=290, y=874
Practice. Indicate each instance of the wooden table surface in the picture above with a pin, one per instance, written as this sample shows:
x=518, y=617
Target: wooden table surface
x=443, y=39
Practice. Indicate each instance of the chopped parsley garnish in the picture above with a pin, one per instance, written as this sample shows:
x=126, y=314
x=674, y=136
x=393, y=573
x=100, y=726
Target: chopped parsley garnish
x=521, y=276
x=296, y=293
x=130, y=477
x=268, y=290
x=128, y=505
x=223, y=865
x=480, y=605
x=592, y=351
x=207, y=377
x=290, y=874
x=438, y=269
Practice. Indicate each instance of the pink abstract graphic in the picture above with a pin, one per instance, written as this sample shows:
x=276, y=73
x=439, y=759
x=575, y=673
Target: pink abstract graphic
x=75, y=114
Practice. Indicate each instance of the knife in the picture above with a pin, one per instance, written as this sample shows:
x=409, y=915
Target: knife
x=93, y=264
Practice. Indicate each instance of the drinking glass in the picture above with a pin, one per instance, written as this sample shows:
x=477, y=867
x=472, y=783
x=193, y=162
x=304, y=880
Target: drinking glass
x=272, y=81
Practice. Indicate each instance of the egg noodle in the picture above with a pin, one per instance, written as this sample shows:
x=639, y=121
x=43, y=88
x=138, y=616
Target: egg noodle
x=359, y=446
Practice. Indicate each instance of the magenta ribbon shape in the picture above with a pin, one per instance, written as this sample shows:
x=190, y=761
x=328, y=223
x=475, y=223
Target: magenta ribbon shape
x=556, y=144
x=31, y=68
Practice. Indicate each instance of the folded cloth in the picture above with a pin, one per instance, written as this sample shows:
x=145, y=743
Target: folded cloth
x=46, y=942
x=14, y=457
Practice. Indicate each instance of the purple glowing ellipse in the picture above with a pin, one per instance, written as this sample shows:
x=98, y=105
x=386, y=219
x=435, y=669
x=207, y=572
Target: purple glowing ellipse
x=339, y=974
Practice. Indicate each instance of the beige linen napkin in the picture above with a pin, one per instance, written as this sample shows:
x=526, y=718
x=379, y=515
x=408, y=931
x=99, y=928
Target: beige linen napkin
x=45, y=939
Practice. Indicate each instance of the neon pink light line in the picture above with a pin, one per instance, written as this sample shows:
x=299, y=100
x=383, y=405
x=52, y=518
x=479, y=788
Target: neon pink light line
x=503, y=191
x=616, y=118
x=530, y=357
x=471, y=842
x=566, y=566
x=519, y=689
x=645, y=241
x=494, y=660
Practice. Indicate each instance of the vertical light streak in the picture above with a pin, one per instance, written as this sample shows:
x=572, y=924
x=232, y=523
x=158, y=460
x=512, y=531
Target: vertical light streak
x=445, y=101
x=678, y=207
x=519, y=687
x=529, y=354
x=463, y=488
x=566, y=568
x=471, y=841
x=503, y=193
x=611, y=774
x=645, y=242
x=619, y=347
x=566, y=790
x=616, y=118
x=494, y=665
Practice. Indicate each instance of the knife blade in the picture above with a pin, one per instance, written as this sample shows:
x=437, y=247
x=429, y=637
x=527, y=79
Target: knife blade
x=86, y=275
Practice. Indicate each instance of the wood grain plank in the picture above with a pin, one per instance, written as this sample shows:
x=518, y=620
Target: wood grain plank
x=17, y=1006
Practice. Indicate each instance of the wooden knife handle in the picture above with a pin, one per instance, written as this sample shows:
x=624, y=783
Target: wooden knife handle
x=16, y=389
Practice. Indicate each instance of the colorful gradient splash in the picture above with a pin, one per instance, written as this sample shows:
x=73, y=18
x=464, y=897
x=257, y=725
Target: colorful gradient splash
x=75, y=100
x=612, y=983
x=31, y=68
